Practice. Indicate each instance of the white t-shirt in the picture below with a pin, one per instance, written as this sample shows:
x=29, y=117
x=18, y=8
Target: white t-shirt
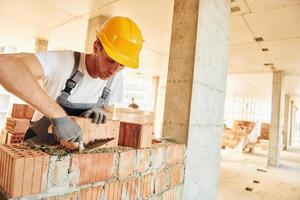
x=58, y=66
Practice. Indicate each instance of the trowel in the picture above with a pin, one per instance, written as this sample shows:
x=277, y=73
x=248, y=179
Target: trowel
x=96, y=144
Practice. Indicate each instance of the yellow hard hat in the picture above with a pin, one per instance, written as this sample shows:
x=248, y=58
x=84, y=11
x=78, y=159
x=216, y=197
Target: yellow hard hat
x=122, y=40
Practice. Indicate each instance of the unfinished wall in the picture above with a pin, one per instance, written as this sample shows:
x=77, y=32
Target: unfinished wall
x=113, y=173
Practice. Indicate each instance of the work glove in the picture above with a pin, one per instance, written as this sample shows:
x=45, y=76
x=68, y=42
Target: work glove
x=66, y=129
x=96, y=114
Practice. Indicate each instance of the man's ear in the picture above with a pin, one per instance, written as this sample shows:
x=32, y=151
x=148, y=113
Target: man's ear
x=95, y=47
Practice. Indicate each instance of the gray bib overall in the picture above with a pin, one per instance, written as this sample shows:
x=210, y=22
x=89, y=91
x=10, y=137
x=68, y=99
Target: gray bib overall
x=38, y=131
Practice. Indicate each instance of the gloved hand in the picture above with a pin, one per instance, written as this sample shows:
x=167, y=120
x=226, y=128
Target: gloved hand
x=66, y=129
x=96, y=114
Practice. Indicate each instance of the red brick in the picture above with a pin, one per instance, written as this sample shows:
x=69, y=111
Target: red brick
x=173, y=194
x=160, y=182
x=176, y=174
x=94, y=167
x=59, y=169
x=135, y=135
x=22, y=170
x=146, y=186
x=14, y=138
x=158, y=154
x=130, y=190
x=69, y=196
x=92, y=132
x=175, y=153
x=143, y=160
x=22, y=111
x=113, y=190
x=14, y=125
x=126, y=163
x=93, y=193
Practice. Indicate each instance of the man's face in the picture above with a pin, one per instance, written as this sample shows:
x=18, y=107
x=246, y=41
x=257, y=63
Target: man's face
x=106, y=66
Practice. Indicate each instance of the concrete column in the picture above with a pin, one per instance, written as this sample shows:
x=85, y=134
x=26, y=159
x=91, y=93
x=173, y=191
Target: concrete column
x=287, y=120
x=276, y=129
x=41, y=45
x=292, y=116
x=94, y=24
x=294, y=124
x=196, y=90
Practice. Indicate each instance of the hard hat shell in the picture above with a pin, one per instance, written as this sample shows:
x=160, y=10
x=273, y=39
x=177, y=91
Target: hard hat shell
x=122, y=40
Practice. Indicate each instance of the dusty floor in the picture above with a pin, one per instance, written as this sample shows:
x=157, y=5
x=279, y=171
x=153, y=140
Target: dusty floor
x=239, y=170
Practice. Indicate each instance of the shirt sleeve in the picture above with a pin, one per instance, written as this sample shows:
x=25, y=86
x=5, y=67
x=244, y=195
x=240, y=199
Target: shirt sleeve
x=52, y=63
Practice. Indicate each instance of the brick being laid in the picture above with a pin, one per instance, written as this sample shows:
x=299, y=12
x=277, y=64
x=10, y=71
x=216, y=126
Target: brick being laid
x=22, y=171
x=93, y=132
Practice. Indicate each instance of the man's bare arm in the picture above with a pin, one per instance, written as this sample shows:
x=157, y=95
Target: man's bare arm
x=19, y=74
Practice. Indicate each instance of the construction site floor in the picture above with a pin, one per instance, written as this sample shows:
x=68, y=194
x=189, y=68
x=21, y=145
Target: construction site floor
x=246, y=176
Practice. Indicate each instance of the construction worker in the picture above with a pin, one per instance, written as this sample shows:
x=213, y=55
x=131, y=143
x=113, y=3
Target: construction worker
x=73, y=83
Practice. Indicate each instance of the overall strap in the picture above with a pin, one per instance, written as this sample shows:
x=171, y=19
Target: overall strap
x=103, y=99
x=75, y=77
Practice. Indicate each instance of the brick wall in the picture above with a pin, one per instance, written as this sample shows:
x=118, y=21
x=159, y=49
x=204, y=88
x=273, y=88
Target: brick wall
x=113, y=173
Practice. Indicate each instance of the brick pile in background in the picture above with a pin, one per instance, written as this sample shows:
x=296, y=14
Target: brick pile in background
x=232, y=137
x=112, y=173
x=18, y=123
x=93, y=132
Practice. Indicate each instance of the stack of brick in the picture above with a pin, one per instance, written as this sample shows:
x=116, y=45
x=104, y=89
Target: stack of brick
x=136, y=127
x=232, y=137
x=264, y=131
x=113, y=173
x=263, y=139
x=18, y=123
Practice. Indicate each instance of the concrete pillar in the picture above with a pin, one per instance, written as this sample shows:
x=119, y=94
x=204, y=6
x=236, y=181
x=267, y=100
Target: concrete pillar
x=94, y=24
x=292, y=123
x=154, y=95
x=41, y=45
x=287, y=120
x=276, y=129
x=195, y=92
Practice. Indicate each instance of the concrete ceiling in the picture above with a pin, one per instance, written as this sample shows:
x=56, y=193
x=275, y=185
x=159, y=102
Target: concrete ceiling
x=278, y=23
x=64, y=24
